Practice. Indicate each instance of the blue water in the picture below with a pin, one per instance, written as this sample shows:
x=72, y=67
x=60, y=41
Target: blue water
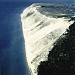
x=12, y=48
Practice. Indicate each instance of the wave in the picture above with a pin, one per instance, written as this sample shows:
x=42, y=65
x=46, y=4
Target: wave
x=42, y=26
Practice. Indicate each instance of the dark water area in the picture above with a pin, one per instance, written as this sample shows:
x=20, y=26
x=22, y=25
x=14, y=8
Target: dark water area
x=55, y=1
x=12, y=48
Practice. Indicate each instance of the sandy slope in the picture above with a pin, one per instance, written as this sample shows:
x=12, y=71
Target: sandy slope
x=40, y=31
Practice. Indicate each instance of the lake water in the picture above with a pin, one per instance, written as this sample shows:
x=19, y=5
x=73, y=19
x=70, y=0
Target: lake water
x=12, y=48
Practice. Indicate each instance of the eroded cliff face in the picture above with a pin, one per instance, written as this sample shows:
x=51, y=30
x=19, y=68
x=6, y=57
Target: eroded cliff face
x=61, y=59
x=43, y=25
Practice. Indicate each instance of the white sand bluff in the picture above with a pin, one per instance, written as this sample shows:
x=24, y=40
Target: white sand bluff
x=41, y=28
